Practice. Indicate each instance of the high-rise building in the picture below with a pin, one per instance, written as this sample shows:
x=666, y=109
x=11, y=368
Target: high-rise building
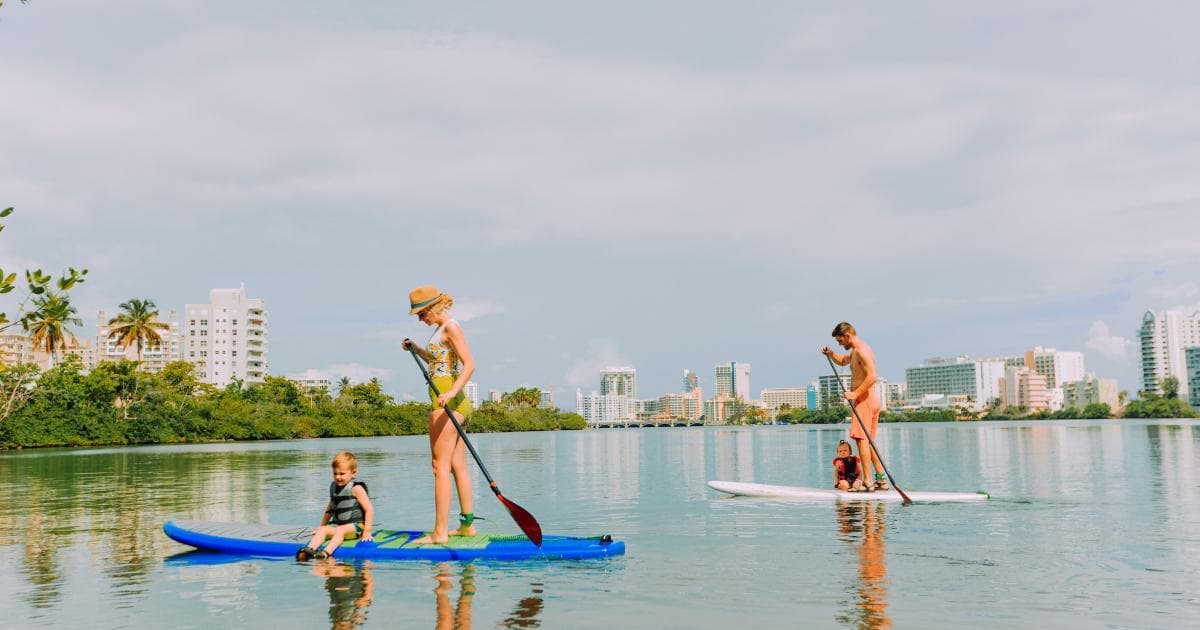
x=621, y=381
x=895, y=394
x=686, y=406
x=155, y=357
x=1163, y=338
x=472, y=390
x=813, y=398
x=1022, y=387
x=226, y=339
x=829, y=391
x=733, y=380
x=1192, y=360
x=495, y=395
x=978, y=380
x=81, y=349
x=1089, y=390
x=776, y=397
x=690, y=381
x=546, y=401
x=599, y=408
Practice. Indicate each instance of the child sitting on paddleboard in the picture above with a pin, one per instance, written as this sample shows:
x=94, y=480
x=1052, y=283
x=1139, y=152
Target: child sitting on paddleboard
x=847, y=470
x=347, y=515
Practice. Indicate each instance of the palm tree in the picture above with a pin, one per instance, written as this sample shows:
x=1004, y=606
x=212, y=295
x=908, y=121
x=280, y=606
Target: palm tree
x=137, y=324
x=48, y=322
x=343, y=383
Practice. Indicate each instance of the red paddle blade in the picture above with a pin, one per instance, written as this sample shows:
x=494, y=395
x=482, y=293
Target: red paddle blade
x=524, y=520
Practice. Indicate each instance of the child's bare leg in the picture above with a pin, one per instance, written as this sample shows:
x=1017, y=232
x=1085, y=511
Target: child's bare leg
x=339, y=534
x=319, y=536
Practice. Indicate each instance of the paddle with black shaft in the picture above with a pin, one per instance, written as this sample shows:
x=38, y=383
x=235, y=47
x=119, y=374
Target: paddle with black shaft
x=862, y=426
x=524, y=519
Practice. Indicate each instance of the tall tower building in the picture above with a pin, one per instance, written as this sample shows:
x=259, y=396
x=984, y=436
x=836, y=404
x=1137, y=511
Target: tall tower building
x=1193, y=376
x=732, y=380
x=472, y=390
x=691, y=381
x=1164, y=337
x=621, y=381
x=1057, y=366
x=226, y=339
x=154, y=357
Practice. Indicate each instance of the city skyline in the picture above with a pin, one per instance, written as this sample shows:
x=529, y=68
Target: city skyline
x=994, y=198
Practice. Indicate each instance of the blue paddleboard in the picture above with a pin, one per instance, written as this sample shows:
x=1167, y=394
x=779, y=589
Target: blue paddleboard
x=283, y=540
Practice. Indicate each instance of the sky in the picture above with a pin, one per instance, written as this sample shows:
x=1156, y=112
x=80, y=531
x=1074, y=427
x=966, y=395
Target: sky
x=667, y=186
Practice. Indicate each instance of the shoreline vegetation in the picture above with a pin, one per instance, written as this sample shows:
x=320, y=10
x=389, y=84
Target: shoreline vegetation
x=1150, y=405
x=117, y=404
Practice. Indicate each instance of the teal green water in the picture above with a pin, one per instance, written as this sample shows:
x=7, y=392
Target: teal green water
x=1092, y=524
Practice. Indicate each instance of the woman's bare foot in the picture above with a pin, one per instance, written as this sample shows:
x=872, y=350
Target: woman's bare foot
x=431, y=538
x=465, y=530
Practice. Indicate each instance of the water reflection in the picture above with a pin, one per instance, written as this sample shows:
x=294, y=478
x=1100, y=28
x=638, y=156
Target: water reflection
x=525, y=615
x=457, y=616
x=350, y=587
x=861, y=523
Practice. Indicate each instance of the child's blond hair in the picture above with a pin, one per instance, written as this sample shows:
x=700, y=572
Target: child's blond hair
x=345, y=458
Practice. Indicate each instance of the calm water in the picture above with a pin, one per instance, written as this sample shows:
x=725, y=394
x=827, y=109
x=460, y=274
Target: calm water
x=1092, y=524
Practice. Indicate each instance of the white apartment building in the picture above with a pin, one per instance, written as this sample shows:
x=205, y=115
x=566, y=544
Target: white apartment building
x=472, y=390
x=597, y=408
x=546, y=401
x=309, y=382
x=621, y=381
x=1192, y=356
x=733, y=380
x=1163, y=338
x=226, y=339
x=775, y=397
x=829, y=391
x=495, y=395
x=155, y=357
x=978, y=380
x=895, y=394
x=1090, y=390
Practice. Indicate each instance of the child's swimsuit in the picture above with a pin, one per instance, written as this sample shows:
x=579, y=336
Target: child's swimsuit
x=444, y=370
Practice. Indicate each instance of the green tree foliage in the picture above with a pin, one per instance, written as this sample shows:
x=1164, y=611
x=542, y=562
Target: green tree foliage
x=1170, y=388
x=522, y=397
x=1156, y=407
x=65, y=407
x=137, y=325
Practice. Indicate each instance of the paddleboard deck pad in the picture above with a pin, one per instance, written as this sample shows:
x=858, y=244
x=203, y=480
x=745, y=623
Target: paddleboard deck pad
x=283, y=540
x=740, y=489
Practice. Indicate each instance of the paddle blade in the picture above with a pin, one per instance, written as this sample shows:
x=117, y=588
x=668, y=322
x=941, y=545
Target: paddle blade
x=524, y=520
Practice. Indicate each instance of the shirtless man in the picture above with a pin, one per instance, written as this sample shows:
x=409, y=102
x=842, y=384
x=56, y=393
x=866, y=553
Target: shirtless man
x=862, y=395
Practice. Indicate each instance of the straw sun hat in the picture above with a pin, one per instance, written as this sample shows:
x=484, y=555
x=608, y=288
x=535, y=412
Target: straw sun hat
x=424, y=297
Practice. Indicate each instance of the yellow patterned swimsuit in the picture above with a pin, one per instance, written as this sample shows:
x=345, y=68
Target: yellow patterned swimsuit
x=444, y=366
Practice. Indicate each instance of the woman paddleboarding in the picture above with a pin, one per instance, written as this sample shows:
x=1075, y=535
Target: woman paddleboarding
x=450, y=367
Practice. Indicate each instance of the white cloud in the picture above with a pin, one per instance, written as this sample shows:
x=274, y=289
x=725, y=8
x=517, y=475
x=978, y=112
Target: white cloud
x=585, y=372
x=356, y=372
x=1176, y=292
x=1107, y=344
x=468, y=309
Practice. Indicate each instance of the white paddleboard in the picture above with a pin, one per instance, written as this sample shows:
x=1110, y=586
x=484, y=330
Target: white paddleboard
x=740, y=489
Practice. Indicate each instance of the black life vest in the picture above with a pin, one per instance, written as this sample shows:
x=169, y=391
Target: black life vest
x=343, y=507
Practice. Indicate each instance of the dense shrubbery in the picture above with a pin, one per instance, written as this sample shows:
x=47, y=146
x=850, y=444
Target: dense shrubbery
x=116, y=404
